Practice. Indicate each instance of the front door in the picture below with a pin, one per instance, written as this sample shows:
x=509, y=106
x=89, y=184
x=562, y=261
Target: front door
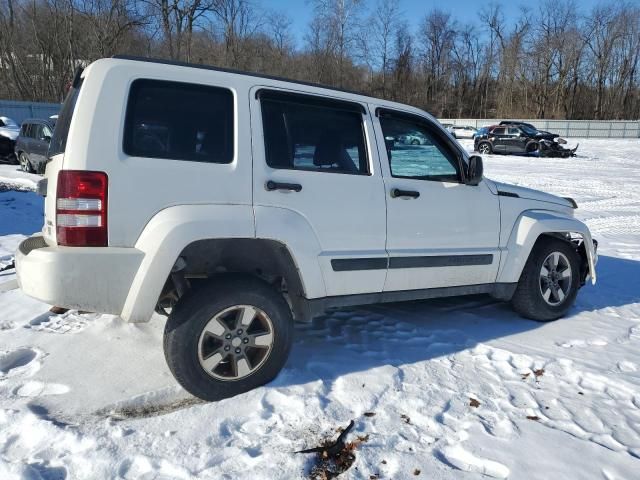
x=318, y=187
x=440, y=231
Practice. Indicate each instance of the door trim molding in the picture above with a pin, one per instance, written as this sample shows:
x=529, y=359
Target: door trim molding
x=430, y=261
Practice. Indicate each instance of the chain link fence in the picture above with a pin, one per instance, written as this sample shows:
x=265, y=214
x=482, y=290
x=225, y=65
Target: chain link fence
x=567, y=128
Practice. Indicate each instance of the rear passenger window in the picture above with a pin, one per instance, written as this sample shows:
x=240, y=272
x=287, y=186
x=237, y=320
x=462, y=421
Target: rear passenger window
x=179, y=121
x=307, y=133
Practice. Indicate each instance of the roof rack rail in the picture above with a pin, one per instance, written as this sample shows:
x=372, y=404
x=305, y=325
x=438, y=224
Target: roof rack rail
x=230, y=70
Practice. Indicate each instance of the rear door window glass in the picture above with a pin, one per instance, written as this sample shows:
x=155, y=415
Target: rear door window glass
x=36, y=131
x=179, y=121
x=303, y=133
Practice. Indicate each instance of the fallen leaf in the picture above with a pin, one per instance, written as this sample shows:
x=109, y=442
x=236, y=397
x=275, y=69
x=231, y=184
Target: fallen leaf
x=405, y=418
x=580, y=393
x=538, y=373
x=384, y=462
x=363, y=438
x=533, y=417
x=474, y=403
x=525, y=375
x=375, y=476
x=369, y=414
x=416, y=472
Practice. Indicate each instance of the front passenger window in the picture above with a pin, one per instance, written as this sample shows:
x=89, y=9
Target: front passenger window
x=415, y=151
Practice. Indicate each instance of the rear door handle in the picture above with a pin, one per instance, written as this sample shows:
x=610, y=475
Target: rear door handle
x=271, y=186
x=396, y=192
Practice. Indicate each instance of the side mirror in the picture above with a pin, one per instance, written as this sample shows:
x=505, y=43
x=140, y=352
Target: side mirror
x=475, y=170
x=46, y=138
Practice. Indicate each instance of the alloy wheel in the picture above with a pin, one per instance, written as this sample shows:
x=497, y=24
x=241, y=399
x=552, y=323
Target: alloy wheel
x=555, y=278
x=24, y=163
x=235, y=342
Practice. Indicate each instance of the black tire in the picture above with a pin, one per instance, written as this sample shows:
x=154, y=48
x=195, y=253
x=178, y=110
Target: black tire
x=25, y=163
x=487, y=145
x=192, y=313
x=528, y=299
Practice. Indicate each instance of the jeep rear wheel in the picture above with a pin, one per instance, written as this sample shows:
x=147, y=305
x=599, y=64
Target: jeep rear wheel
x=549, y=282
x=228, y=337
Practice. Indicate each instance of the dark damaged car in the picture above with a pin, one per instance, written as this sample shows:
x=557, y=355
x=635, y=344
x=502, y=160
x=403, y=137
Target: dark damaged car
x=9, y=131
x=521, y=139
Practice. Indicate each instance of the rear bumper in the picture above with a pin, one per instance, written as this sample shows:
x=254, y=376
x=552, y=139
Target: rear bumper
x=95, y=279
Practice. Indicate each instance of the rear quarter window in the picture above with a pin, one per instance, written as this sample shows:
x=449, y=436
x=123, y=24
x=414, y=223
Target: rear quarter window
x=179, y=121
x=58, y=142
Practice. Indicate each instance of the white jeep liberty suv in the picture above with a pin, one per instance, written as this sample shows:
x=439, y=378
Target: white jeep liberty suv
x=237, y=204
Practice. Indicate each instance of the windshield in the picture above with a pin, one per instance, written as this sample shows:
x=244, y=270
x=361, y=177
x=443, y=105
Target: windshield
x=528, y=130
x=62, y=124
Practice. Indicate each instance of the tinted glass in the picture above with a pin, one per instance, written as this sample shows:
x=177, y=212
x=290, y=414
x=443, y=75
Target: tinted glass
x=179, y=121
x=513, y=131
x=499, y=131
x=59, y=140
x=415, y=151
x=310, y=136
x=37, y=131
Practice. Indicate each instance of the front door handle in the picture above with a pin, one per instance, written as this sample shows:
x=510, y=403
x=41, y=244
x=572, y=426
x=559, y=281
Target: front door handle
x=271, y=186
x=396, y=192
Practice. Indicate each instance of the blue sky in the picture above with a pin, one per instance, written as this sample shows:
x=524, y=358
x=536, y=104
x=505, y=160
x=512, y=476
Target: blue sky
x=464, y=11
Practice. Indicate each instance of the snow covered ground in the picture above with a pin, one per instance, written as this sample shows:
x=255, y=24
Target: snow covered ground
x=458, y=388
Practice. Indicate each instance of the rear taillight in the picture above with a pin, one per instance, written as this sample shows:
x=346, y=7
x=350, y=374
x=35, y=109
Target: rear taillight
x=81, y=208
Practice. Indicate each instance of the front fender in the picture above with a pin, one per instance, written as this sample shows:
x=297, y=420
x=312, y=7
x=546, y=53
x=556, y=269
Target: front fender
x=166, y=235
x=526, y=230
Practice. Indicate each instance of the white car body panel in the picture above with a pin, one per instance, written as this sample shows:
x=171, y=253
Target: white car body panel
x=166, y=235
x=526, y=230
x=100, y=283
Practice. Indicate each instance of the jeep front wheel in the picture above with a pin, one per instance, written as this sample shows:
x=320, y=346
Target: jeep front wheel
x=228, y=338
x=549, y=282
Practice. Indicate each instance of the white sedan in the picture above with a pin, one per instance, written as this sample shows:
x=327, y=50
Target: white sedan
x=462, y=131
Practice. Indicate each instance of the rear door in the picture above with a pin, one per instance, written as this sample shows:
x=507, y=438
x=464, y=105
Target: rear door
x=317, y=183
x=440, y=231
x=25, y=137
x=499, y=135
